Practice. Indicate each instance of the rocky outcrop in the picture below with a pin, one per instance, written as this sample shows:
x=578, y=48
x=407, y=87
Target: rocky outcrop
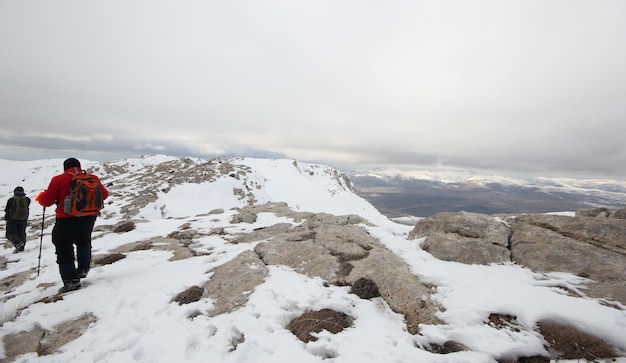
x=45, y=342
x=453, y=247
x=591, y=244
x=620, y=213
x=464, y=237
x=340, y=251
x=337, y=249
x=589, y=247
x=232, y=282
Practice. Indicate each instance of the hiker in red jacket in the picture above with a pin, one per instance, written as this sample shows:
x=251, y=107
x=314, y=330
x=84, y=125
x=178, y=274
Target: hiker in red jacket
x=68, y=229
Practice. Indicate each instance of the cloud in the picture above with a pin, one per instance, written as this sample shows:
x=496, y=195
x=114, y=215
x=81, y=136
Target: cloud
x=521, y=85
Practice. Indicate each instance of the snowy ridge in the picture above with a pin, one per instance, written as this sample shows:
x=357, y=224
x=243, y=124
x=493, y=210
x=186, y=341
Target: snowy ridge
x=131, y=299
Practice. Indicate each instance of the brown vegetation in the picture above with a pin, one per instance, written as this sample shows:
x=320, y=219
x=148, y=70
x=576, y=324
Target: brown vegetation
x=316, y=321
x=571, y=343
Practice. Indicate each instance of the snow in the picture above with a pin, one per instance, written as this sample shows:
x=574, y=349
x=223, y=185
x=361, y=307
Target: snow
x=138, y=322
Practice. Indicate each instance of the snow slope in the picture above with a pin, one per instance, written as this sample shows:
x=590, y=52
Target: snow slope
x=132, y=298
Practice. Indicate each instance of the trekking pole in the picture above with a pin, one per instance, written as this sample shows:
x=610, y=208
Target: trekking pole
x=43, y=218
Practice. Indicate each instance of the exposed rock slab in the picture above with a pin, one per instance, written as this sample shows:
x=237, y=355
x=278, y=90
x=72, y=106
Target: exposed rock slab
x=591, y=244
x=403, y=291
x=588, y=247
x=604, y=233
x=263, y=233
x=470, y=238
x=44, y=342
x=232, y=282
x=453, y=247
x=339, y=251
x=304, y=256
x=465, y=224
x=620, y=213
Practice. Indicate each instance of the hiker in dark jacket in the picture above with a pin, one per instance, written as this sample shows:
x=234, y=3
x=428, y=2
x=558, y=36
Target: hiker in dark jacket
x=69, y=230
x=16, y=215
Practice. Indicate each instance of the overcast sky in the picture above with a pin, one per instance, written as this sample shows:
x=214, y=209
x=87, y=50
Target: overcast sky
x=526, y=86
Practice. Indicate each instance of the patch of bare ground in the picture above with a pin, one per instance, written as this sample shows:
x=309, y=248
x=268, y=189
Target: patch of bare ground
x=570, y=343
x=365, y=288
x=316, y=321
x=562, y=341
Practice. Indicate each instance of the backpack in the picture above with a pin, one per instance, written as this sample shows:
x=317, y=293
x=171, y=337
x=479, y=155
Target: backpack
x=19, y=209
x=85, y=198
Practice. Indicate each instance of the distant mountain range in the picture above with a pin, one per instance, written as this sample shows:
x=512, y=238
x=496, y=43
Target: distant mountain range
x=422, y=193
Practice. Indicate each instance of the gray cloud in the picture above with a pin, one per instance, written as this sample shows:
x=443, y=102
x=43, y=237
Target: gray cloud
x=527, y=86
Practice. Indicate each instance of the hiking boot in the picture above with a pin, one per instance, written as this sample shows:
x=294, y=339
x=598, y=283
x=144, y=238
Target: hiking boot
x=83, y=273
x=70, y=286
x=19, y=248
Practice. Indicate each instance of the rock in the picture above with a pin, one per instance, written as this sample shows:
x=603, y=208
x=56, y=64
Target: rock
x=329, y=219
x=401, y=289
x=23, y=342
x=44, y=342
x=470, y=225
x=605, y=233
x=232, y=282
x=249, y=213
x=470, y=238
x=122, y=227
x=318, y=246
x=107, y=259
x=453, y=247
x=304, y=256
x=9, y=283
x=620, y=213
x=338, y=250
x=192, y=294
x=588, y=247
x=593, y=212
x=65, y=333
x=263, y=233
x=243, y=217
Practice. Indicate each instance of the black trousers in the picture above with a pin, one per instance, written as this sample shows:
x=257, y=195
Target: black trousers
x=16, y=231
x=66, y=233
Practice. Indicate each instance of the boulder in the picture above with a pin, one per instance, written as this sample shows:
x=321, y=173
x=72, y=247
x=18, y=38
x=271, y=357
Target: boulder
x=589, y=247
x=605, y=233
x=470, y=238
x=590, y=244
x=471, y=225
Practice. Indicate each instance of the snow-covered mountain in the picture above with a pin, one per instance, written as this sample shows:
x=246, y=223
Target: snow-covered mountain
x=128, y=310
x=423, y=192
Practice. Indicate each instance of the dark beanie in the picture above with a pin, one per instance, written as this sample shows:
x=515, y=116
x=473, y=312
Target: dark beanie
x=71, y=163
x=18, y=191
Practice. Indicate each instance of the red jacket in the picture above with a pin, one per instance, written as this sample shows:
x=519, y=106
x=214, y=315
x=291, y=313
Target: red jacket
x=59, y=188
